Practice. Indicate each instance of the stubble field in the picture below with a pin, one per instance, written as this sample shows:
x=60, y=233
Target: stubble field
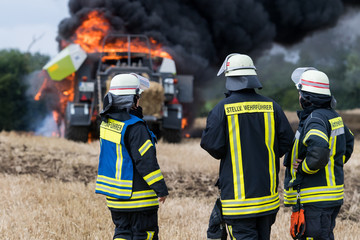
x=47, y=191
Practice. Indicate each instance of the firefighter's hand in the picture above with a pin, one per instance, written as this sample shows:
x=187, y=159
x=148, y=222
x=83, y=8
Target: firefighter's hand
x=296, y=164
x=162, y=199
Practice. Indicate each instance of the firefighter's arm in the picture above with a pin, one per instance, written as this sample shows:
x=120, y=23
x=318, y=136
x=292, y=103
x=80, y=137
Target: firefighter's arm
x=284, y=131
x=213, y=137
x=144, y=155
x=317, y=143
x=349, y=144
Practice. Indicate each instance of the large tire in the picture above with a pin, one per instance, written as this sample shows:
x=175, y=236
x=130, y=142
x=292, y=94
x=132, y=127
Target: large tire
x=76, y=133
x=171, y=135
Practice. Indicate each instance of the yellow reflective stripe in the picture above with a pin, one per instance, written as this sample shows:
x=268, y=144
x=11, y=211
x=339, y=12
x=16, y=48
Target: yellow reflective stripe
x=269, y=140
x=315, y=194
x=329, y=169
x=113, y=181
x=236, y=156
x=249, y=201
x=132, y=204
x=143, y=149
x=120, y=239
x=143, y=194
x=336, y=123
x=153, y=177
x=231, y=232
x=119, y=161
x=322, y=198
x=316, y=133
x=253, y=209
x=351, y=132
x=112, y=190
x=306, y=169
x=309, y=238
x=150, y=235
x=294, y=156
x=248, y=107
x=344, y=158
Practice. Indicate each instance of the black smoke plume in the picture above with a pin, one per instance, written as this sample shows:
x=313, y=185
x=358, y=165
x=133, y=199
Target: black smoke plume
x=199, y=34
x=203, y=32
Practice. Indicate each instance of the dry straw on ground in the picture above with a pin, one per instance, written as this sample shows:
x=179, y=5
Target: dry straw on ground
x=47, y=187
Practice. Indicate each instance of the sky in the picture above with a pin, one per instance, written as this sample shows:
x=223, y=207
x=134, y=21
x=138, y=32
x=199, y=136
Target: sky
x=22, y=21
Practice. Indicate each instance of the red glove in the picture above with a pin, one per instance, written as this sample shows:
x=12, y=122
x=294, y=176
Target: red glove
x=297, y=227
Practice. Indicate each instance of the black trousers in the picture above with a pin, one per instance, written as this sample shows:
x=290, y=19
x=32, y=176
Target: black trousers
x=136, y=225
x=320, y=222
x=257, y=228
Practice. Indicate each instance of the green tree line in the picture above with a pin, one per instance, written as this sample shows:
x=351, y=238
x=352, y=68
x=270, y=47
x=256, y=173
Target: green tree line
x=18, y=110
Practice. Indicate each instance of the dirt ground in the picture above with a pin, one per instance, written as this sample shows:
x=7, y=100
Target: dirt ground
x=56, y=164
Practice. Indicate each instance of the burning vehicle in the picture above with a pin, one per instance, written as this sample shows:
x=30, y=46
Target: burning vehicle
x=82, y=71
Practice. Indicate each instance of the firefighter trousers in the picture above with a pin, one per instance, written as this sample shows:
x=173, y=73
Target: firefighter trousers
x=257, y=228
x=136, y=225
x=320, y=222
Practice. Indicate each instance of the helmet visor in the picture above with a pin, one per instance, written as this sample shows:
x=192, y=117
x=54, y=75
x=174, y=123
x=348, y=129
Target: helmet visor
x=296, y=75
x=223, y=66
x=144, y=82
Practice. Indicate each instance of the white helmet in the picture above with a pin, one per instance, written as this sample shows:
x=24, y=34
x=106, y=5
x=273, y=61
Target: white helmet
x=311, y=80
x=237, y=64
x=128, y=84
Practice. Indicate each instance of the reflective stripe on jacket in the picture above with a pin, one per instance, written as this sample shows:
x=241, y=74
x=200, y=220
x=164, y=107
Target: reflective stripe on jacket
x=249, y=133
x=129, y=174
x=324, y=144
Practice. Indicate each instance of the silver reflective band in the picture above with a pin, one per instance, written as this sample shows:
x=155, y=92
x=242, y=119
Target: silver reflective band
x=143, y=194
x=249, y=201
x=337, y=132
x=132, y=204
x=236, y=68
x=114, y=181
x=317, y=191
x=252, y=209
x=113, y=190
x=153, y=177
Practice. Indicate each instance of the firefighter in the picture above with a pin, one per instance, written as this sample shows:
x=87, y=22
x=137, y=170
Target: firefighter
x=322, y=145
x=129, y=174
x=249, y=133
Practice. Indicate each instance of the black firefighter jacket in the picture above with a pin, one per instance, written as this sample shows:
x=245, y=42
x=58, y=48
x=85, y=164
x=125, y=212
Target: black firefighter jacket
x=249, y=133
x=324, y=144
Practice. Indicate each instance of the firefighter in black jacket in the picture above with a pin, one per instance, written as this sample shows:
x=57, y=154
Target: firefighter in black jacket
x=249, y=133
x=129, y=175
x=322, y=145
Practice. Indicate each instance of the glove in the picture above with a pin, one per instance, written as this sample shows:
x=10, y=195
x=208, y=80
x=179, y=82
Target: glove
x=297, y=227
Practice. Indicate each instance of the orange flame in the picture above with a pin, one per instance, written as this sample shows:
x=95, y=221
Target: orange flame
x=184, y=123
x=90, y=35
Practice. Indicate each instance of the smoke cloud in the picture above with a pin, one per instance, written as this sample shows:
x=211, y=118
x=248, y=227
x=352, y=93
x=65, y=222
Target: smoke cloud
x=203, y=32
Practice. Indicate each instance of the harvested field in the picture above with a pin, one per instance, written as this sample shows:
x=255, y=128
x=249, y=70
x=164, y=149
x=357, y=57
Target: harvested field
x=47, y=187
